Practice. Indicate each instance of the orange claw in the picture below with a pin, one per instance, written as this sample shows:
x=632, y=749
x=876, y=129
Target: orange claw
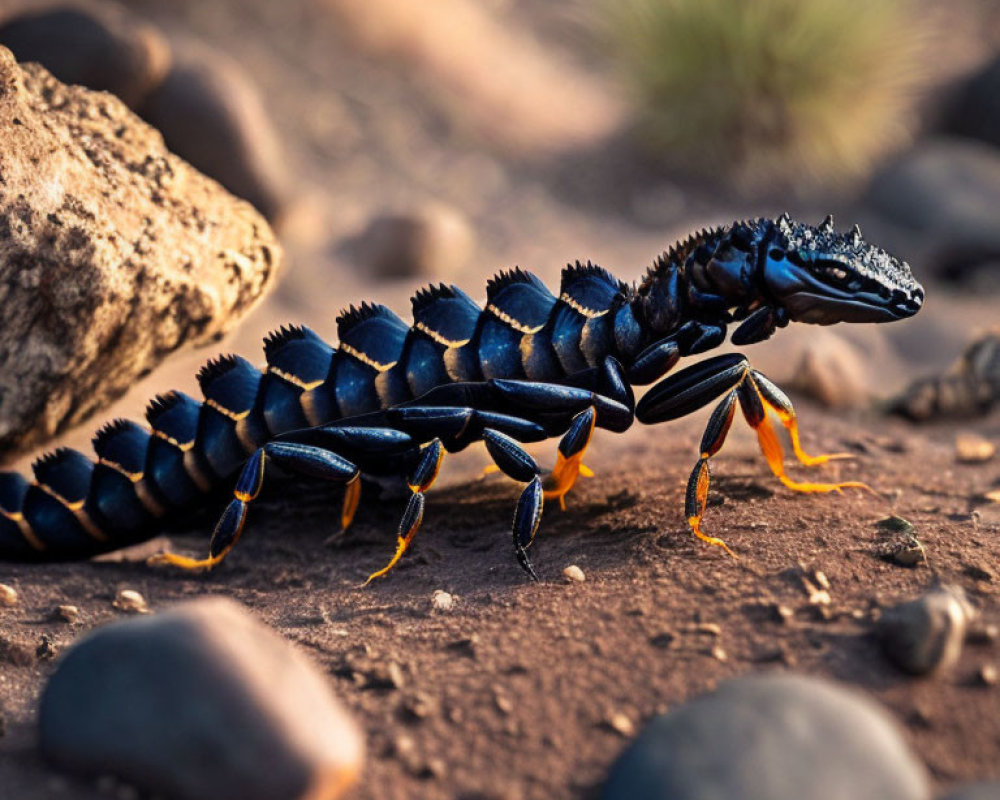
x=792, y=426
x=771, y=448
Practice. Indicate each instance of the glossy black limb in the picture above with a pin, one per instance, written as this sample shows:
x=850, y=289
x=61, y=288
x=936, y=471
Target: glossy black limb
x=691, y=388
x=420, y=479
x=654, y=362
x=696, y=497
x=534, y=398
x=569, y=457
x=778, y=402
x=298, y=458
x=526, y=518
x=510, y=457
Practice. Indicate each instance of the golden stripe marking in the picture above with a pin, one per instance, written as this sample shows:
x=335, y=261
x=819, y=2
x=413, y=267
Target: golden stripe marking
x=437, y=337
x=194, y=471
x=308, y=405
x=76, y=507
x=366, y=359
x=182, y=446
x=293, y=379
x=242, y=428
x=235, y=416
x=148, y=500
x=581, y=309
x=22, y=524
x=135, y=477
x=509, y=320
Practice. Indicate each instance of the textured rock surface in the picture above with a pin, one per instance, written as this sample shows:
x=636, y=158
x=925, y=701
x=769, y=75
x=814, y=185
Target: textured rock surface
x=199, y=703
x=113, y=253
x=776, y=737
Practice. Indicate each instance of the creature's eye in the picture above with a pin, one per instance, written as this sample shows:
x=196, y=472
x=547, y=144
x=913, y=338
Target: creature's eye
x=776, y=255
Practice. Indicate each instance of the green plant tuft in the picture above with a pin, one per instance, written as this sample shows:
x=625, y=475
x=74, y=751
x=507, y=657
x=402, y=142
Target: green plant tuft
x=767, y=90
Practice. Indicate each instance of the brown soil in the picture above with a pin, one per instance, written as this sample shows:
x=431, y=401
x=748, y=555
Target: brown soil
x=511, y=694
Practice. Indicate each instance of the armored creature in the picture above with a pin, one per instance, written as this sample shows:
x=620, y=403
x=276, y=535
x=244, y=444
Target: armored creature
x=391, y=399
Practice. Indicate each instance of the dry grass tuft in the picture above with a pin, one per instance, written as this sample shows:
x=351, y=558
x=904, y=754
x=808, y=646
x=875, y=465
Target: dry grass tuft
x=769, y=91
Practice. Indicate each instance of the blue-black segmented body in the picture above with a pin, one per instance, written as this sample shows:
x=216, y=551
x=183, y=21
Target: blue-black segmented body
x=387, y=387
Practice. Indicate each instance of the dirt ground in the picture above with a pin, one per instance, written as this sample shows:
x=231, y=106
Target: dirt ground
x=519, y=690
x=529, y=690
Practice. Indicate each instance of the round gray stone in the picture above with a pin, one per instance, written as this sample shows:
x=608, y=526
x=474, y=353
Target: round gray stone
x=102, y=47
x=199, y=703
x=773, y=737
x=989, y=790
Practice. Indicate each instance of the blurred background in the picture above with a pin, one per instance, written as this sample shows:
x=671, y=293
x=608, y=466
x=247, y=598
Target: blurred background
x=392, y=143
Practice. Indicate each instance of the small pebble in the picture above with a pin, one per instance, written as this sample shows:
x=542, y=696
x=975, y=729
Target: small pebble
x=621, y=724
x=442, y=600
x=8, y=595
x=925, y=635
x=983, y=634
x=971, y=448
x=988, y=675
x=504, y=704
x=130, y=601
x=993, y=496
x=719, y=654
x=895, y=524
x=67, y=613
x=574, y=573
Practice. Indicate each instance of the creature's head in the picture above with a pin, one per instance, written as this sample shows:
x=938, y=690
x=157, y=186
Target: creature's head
x=820, y=276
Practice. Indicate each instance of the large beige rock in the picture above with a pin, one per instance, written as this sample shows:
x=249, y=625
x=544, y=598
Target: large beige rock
x=113, y=253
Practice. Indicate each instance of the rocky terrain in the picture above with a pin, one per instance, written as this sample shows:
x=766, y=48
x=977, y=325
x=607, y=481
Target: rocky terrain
x=467, y=681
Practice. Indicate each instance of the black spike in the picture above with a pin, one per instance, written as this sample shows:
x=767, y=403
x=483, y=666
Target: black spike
x=275, y=340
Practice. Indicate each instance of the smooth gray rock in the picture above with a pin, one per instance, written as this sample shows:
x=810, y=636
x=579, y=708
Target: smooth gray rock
x=434, y=240
x=989, y=790
x=212, y=115
x=201, y=702
x=113, y=253
x=772, y=737
x=944, y=195
x=101, y=47
x=976, y=109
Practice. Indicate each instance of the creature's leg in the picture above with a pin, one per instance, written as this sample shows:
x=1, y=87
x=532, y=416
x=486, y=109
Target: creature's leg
x=569, y=460
x=698, y=385
x=778, y=402
x=515, y=462
x=752, y=402
x=597, y=397
x=298, y=458
x=419, y=481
